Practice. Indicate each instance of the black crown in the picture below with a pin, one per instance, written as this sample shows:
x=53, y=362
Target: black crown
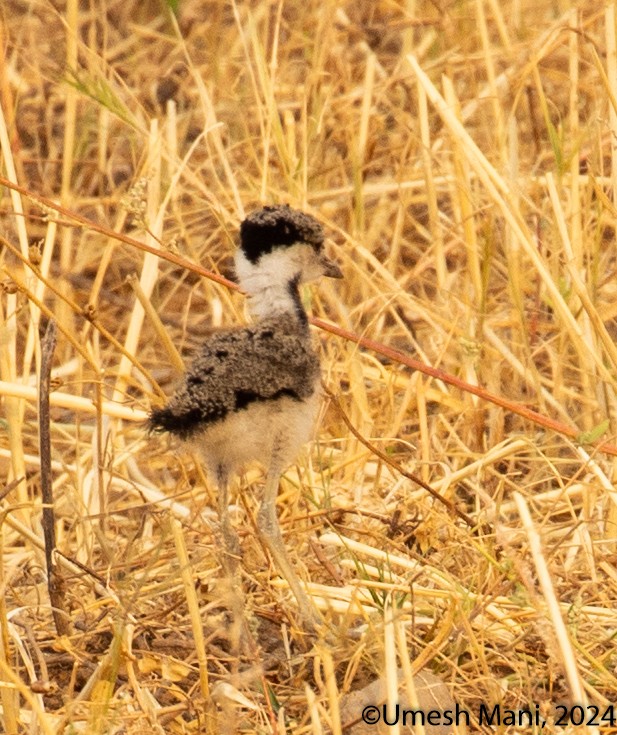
x=277, y=226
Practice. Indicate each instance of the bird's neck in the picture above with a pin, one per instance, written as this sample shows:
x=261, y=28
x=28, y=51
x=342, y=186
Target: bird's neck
x=277, y=298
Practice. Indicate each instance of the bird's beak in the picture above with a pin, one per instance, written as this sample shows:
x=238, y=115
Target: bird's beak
x=329, y=268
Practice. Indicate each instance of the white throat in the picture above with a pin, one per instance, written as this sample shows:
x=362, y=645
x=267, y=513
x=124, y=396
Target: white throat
x=269, y=285
x=271, y=300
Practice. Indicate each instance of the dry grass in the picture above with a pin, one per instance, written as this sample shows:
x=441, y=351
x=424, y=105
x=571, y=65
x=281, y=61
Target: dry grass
x=461, y=157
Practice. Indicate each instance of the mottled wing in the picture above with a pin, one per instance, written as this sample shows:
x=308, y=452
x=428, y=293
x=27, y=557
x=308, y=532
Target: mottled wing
x=238, y=367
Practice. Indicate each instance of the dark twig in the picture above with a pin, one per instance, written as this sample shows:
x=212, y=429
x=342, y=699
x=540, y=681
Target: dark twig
x=54, y=580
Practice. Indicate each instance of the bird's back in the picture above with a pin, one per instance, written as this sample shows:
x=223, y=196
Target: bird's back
x=236, y=368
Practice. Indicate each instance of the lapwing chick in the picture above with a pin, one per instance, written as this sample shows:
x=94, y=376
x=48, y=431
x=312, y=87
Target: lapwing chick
x=252, y=393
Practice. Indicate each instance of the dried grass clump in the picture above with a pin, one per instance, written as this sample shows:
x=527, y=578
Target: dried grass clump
x=461, y=157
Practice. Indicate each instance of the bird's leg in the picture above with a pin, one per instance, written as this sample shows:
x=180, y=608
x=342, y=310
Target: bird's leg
x=270, y=534
x=231, y=552
x=230, y=562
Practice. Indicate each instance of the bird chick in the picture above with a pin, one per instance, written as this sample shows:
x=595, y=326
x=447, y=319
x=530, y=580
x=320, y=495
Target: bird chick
x=252, y=393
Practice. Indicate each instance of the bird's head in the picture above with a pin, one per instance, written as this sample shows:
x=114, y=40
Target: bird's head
x=280, y=245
